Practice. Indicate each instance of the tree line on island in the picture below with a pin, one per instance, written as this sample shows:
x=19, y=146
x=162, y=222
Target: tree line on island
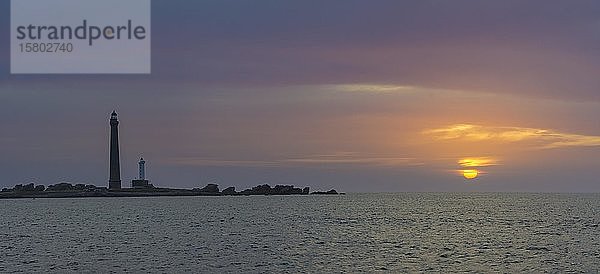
x=263, y=190
x=209, y=190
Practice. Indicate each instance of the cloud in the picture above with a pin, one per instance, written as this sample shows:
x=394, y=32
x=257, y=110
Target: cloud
x=372, y=88
x=353, y=158
x=478, y=162
x=342, y=158
x=547, y=138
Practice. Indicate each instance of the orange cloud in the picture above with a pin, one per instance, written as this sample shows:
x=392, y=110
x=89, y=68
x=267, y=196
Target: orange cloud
x=547, y=137
x=478, y=162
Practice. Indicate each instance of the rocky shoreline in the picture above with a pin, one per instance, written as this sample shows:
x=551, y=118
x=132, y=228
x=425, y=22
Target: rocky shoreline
x=65, y=190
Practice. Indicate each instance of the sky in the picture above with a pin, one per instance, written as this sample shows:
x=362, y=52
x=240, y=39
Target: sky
x=360, y=96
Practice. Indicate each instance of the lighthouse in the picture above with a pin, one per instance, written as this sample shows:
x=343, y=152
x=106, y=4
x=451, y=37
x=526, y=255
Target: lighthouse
x=142, y=165
x=114, y=181
x=141, y=182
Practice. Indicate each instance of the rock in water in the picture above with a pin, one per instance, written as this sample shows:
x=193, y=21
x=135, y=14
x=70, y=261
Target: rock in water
x=229, y=191
x=306, y=190
x=210, y=188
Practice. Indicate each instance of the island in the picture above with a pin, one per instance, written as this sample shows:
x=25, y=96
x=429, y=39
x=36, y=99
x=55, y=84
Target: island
x=140, y=186
x=67, y=190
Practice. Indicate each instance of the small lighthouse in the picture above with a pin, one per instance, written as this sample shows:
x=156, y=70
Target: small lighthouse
x=141, y=181
x=142, y=165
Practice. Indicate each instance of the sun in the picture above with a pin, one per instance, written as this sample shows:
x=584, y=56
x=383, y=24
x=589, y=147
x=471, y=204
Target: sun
x=470, y=173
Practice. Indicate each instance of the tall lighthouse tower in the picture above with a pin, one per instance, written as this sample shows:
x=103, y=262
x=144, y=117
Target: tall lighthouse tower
x=115, y=169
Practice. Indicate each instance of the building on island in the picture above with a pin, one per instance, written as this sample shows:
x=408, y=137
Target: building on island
x=141, y=182
x=114, y=181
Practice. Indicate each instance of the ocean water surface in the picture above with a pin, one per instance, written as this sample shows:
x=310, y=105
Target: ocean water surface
x=404, y=232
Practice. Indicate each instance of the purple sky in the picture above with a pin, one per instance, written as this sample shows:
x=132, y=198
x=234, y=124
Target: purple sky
x=361, y=96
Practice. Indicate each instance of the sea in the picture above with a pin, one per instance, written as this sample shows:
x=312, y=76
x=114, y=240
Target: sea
x=353, y=233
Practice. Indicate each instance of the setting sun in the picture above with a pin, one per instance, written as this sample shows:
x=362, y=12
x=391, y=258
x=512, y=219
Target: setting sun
x=470, y=173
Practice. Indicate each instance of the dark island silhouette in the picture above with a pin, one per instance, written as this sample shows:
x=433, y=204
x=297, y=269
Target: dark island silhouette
x=140, y=187
x=67, y=190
